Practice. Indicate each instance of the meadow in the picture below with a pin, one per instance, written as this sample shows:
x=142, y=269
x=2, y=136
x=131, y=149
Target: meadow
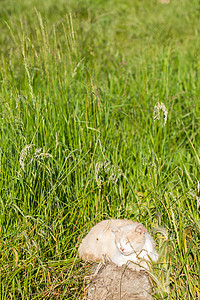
x=100, y=118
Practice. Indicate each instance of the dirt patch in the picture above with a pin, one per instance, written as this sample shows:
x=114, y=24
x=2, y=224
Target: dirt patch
x=117, y=283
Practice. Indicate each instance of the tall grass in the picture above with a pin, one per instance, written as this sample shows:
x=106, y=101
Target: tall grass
x=79, y=85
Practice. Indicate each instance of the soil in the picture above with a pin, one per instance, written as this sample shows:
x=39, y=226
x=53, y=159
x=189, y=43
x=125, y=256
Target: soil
x=119, y=283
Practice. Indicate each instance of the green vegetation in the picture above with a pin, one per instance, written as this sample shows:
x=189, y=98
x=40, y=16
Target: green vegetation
x=79, y=84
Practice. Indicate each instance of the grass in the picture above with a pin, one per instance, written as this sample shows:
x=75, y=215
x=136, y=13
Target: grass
x=79, y=84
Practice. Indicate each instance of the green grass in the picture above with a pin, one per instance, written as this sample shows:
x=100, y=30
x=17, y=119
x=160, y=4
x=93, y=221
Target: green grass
x=79, y=83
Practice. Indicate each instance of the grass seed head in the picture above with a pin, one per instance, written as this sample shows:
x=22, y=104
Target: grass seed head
x=113, y=172
x=157, y=109
x=23, y=155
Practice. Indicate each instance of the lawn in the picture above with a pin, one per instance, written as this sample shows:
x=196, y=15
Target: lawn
x=100, y=118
